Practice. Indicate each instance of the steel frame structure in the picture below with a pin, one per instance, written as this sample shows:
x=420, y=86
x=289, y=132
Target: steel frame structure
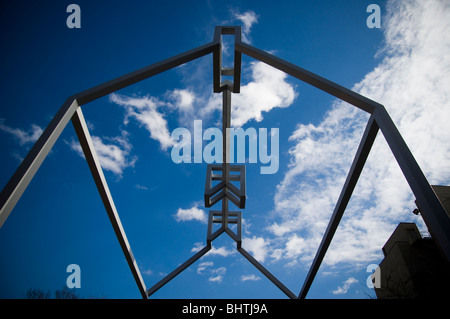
x=432, y=211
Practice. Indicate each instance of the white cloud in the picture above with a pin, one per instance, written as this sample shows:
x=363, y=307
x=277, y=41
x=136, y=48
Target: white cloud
x=251, y=277
x=197, y=247
x=188, y=104
x=294, y=246
x=258, y=246
x=145, y=111
x=141, y=187
x=247, y=18
x=24, y=137
x=147, y=272
x=221, y=251
x=266, y=90
x=412, y=82
x=203, y=266
x=341, y=290
x=215, y=274
x=217, y=278
x=183, y=99
x=193, y=213
x=114, y=155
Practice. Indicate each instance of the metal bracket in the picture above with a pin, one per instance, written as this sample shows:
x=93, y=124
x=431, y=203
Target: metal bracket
x=236, y=195
x=219, y=70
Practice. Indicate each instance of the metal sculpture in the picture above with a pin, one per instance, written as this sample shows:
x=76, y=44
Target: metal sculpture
x=432, y=211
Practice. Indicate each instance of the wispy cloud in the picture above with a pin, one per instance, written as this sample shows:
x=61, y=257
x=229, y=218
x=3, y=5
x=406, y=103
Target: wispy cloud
x=24, y=137
x=215, y=274
x=145, y=111
x=141, y=187
x=251, y=277
x=203, y=266
x=113, y=153
x=220, y=251
x=218, y=274
x=248, y=19
x=147, y=272
x=412, y=81
x=183, y=99
x=341, y=290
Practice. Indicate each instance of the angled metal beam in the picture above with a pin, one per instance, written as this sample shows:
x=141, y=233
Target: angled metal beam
x=432, y=211
x=182, y=267
x=309, y=77
x=267, y=273
x=144, y=73
x=94, y=164
x=233, y=236
x=235, y=200
x=355, y=171
x=433, y=214
x=15, y=187
x=213, y=191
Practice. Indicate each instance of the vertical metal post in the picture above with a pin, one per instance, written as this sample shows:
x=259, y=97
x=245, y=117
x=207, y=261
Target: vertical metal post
x=226, y=154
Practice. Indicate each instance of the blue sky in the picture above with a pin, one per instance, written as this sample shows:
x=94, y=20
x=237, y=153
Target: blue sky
x=60, y=219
